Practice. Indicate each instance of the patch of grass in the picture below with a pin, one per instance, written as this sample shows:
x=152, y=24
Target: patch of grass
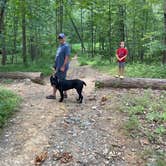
x=131, y=69
x=137, y=104
x=8, y=104
x=6, y=81
x=160, y=161
x=147, y=110
x=42, y=64
x=132, y=124
x=147, y=117
x=161, y=130
x=39, y=66
x=156, y=158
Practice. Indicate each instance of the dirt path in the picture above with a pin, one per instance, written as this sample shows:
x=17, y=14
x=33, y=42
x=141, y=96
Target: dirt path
x=83, y=135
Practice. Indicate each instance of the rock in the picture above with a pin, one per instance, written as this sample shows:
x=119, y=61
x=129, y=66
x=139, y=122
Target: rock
x=94, y=107
x=27, y=81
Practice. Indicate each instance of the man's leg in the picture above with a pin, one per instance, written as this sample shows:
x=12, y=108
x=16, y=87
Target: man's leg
x=54, y=91
x=53, y=96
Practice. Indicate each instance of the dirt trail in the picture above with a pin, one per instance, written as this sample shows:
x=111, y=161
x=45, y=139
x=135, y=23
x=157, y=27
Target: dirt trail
x=90, y=132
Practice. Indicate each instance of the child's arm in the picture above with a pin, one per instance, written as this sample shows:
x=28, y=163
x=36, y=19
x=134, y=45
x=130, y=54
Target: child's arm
x=126, y=52
x=123, y=57
x=117, y=57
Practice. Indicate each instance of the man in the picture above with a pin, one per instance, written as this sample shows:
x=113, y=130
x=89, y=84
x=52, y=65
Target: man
x=61, y=65
x=121, y=55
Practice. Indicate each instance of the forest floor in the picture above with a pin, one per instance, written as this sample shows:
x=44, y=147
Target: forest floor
x=48, y=133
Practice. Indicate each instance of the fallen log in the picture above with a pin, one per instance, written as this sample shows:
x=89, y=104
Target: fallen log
x=36, y=77
x=132, y=83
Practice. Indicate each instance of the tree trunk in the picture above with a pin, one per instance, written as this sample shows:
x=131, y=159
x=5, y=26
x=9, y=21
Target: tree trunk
x=61, y=15
x=77, y=32
x=24, y=34
x=82, y=32
x=110, y=31
x=164, y=52
x=132, y=83
x=92, y=32
x=15, y=30
x=121, y=23
x=36, y=77
x=2, y=35
x=2, y=11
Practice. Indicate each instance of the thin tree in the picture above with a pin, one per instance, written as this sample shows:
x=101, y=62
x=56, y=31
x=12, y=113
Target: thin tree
x=23, y=12
x=2, y=29
x=164, y=52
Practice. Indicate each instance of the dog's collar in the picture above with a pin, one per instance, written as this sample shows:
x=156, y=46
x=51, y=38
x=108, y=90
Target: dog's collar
x=57, y=79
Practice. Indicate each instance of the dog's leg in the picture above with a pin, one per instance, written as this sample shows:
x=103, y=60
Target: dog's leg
x=79, y=91
x=61, y=94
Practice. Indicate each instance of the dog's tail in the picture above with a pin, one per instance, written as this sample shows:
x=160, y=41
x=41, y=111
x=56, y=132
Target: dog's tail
x=84, y=83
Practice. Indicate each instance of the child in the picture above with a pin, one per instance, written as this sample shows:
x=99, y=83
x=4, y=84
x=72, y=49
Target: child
x=121, y=55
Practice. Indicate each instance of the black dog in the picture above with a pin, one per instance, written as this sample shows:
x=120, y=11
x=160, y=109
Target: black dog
x=63, y=85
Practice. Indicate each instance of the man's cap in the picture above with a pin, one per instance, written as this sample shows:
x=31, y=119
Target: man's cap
x=61, y=36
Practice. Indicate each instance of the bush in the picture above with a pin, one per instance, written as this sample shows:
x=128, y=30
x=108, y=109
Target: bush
x=8, y=104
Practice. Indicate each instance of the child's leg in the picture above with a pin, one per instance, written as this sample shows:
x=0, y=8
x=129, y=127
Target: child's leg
x=118, y=71
x=122, y=69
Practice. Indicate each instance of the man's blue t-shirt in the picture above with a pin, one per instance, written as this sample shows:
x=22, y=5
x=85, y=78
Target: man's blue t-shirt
x=62, y=52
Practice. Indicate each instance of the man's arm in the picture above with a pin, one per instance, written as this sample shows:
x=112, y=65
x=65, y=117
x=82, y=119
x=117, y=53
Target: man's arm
x=65, y=62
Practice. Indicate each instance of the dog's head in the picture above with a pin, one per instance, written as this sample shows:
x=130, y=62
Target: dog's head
x=54, y=81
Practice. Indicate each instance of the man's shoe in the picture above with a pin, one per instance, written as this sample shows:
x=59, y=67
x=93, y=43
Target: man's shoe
x=121, y=77
x=50, y=97
x=116, y=76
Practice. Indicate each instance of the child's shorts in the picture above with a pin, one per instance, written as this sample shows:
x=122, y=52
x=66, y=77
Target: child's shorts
x=121, y=64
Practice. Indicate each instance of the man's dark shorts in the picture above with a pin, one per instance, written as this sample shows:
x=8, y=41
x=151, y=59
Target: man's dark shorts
x=61, y=75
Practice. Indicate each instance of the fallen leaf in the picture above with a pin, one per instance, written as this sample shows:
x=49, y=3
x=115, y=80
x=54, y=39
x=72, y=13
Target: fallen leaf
x=41, y=158
x=64, y=157
x=104, y=98
x=144, y=142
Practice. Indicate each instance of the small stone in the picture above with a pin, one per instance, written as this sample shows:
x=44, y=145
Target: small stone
x=94, y=108
x=27, y=81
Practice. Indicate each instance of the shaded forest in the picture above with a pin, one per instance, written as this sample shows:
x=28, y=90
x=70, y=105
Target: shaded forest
x=29, y=28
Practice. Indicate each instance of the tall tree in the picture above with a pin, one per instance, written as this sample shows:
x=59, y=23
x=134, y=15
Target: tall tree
x=164, y=52
x=121, y=22
x=23, y=14
x=2, y=33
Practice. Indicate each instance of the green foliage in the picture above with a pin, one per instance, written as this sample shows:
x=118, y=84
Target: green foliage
x=155, y=70
x=161, y=130
x=7, y=81
x=8, y=104
x=138, y=104
x=132, y=124
x=100, y=36
x=147, y=107
x=160, y=161
x=43, y=64
x=158, y=157
x=147, y=112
